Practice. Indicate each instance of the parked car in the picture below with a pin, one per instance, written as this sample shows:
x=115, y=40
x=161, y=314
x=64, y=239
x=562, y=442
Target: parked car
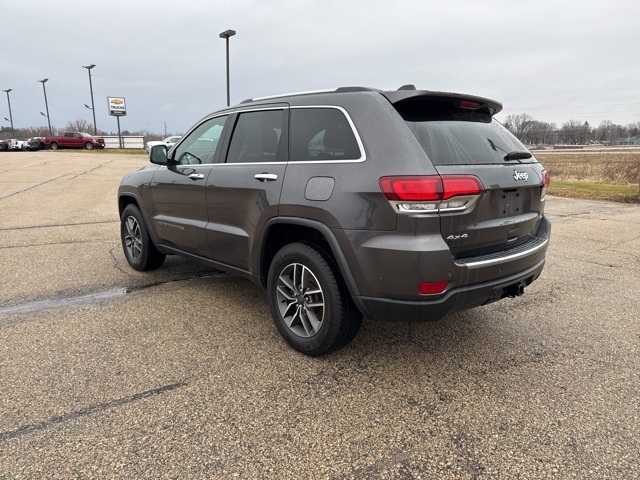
x=168, y=142
x=74, y=140
x=36, y=143
x=14, y=144
x=404, y=205
x=4, y=145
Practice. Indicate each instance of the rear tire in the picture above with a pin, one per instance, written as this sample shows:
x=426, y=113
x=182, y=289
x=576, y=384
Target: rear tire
x=54, y=146
x=309, y=302
x=138, y=247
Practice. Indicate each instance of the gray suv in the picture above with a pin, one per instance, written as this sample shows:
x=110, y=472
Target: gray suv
x=353, y=202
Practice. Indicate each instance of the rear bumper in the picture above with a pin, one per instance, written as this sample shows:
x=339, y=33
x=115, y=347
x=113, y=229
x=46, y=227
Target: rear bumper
x=457, y=299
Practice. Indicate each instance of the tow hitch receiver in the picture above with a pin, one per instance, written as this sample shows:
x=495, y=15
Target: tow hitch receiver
x=511, y=291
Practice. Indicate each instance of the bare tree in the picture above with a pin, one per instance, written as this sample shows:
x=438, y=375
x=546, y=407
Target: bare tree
x=79, y=125
x=572, y=132
x=603, y=132
x=519, y=125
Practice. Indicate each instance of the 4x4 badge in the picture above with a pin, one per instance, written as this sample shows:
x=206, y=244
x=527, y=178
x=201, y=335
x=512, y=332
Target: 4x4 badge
x=520, y=175
x=457, y=237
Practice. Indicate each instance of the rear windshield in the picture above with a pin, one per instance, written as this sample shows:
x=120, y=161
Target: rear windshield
x=452, y=136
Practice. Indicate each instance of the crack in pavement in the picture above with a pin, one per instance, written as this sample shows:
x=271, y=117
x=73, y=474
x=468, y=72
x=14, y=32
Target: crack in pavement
x=92, y=170
x=33, y=186
x=116, y=263
x=30, y=227
x=68, y=242
x=71, y=177
x=97, y=407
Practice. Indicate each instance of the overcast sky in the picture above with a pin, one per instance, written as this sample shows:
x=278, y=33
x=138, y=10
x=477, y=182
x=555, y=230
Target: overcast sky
x=553, y=59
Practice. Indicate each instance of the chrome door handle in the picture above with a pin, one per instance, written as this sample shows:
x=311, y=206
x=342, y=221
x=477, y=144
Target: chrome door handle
x=196, y=176
x=266, y=177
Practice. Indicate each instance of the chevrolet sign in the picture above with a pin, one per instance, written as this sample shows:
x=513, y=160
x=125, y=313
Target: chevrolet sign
x=117, y=106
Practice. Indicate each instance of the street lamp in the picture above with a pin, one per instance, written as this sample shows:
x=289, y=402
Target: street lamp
x=226, y=34
x=93, y=108
x=10, y=119
x=46, y=104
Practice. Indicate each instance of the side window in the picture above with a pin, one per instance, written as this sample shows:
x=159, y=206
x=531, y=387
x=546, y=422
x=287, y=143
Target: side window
x=201, y=145
x=322, y=134
x=256, y=137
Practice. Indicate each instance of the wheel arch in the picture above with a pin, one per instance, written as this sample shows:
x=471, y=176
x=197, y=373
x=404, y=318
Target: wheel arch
x=281, y=231
x=129, y=198
x=125, y=200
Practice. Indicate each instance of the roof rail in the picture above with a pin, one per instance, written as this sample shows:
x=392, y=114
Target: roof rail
x=310, y=92
x=356, y=89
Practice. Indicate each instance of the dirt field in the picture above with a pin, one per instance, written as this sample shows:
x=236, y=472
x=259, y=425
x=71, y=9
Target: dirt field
x=598, y=167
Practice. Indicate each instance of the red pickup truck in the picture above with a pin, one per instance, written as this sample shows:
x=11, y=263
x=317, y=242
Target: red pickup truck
x=74, y=140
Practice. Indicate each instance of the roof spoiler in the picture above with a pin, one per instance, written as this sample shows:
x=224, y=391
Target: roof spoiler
x=406, y=93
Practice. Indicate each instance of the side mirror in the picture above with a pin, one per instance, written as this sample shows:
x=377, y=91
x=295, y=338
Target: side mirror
x=158, y=154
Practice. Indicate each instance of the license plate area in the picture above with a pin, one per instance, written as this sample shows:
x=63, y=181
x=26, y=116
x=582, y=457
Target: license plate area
x=510, y=203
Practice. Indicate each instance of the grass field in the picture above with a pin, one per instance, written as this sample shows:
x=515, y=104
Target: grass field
x=603, y=175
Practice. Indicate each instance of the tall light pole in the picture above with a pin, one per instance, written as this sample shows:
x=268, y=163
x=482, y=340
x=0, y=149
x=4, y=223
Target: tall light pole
x=13, y=134
x=226, y=34
x=46, y=104
x=93, y=107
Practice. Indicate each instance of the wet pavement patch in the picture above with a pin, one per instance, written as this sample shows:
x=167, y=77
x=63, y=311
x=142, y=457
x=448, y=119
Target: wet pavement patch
x=38, y=305
x=71, y=301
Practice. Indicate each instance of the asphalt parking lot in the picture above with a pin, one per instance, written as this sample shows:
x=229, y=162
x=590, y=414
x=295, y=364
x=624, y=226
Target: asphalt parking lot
x=106, y=372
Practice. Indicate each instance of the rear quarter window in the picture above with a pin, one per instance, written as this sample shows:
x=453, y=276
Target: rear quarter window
x=322, y=134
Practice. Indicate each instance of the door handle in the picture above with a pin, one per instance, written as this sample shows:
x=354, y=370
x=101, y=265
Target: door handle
x=196, y=176
x=266, y=177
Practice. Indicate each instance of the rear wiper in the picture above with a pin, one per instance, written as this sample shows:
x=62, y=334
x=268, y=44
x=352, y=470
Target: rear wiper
x=516, y=155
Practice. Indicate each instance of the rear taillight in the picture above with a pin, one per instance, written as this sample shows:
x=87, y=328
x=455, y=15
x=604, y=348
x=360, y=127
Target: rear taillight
x=545, y=184
x=436, y=193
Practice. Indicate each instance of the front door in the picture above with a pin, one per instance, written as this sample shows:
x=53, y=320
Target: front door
x=179, y=190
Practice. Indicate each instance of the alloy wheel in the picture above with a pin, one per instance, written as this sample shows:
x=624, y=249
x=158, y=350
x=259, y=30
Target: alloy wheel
x=300, y=300
x=133, y=238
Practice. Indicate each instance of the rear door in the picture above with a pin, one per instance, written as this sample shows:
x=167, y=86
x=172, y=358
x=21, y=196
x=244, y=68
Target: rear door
x=243, y=190
x=460, y=137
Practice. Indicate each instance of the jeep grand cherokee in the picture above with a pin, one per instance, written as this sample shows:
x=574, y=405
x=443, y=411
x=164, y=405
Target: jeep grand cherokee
x=406, y=204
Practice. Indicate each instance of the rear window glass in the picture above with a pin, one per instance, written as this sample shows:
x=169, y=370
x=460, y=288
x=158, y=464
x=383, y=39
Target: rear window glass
x=452, y=136
x=256, y=137
x=322, y=134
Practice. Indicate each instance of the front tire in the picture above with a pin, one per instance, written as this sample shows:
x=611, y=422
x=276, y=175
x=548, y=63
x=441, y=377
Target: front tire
x=54, y=146
x=309, y=303
x=138, y=247
x=88, y=146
